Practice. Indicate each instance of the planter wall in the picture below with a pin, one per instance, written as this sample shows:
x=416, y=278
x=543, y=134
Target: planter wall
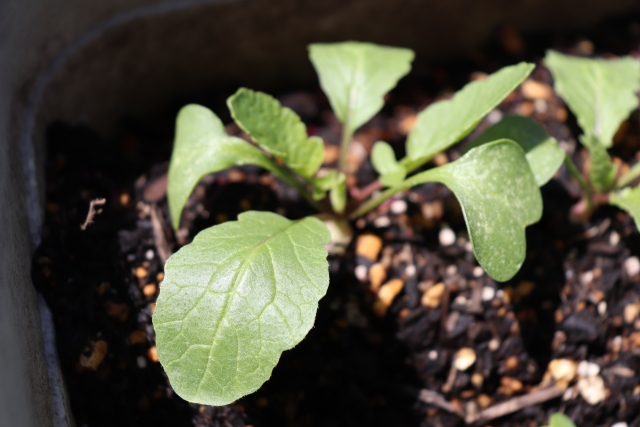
x=93, y=62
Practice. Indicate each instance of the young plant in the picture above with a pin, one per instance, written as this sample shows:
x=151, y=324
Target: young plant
x=244, y=291
x=601, y=93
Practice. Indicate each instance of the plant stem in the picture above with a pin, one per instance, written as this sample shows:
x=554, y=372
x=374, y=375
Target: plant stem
x=629, y=177
x=345, y=141
x=575, y=172
x=373, y=203
x=288, y=177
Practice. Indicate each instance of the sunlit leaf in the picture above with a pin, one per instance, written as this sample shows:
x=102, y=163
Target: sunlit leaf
x=234, y=299
x=446, y=122
x=384, y=162
x=355, y=77
x=543, y=152
x=277, y=129
x=600, y=92
x=202, y=147
x=629, y=200
x=499, y=199
x=560, y=420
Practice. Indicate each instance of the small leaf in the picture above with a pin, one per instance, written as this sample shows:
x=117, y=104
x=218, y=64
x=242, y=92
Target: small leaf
x=355, y=77
x=338, y=195
x=446, y=122
x=277, y=129
x=543, y=152
x=628, y=199
x=384, y=162
x=234, y=299
x=600, y=92
x=602, y=173
x=560, y=420
x=499, y=199
x=202, y=147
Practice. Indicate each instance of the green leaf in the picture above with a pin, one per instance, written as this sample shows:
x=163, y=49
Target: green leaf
x=560, y=420
x=602, y=173
x=384, y=162
x=202, y=147
x=499, y=199
x=355, y=77
x=628, y=199
x=446, y=122
x=338, y=195
x=600, y=92
x=234, y=299
x=277, y=129
x=543, y=152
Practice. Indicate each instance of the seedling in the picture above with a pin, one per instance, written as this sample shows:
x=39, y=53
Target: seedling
x=601, y=93
x=244, y=291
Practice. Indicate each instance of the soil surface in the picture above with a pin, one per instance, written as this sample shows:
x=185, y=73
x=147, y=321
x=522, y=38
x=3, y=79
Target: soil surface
x=407, y=302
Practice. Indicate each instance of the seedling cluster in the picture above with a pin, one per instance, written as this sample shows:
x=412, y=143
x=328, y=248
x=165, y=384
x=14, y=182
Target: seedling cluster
x=245, y=291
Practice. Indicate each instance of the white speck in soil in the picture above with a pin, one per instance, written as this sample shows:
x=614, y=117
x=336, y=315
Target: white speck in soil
x=447, y=237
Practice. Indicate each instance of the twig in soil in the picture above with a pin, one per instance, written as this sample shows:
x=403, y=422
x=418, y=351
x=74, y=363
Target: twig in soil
x=92, y=212
x=434, y=398
x=517, y=403
x=159, y=238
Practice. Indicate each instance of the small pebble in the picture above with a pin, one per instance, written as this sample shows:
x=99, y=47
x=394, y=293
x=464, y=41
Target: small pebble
x=136, y=337
x=447, y=237
x=616, y=344
x=464, y=358
x=386, y=295
x=398, y=207
x=484, y=401
x=152, y=354
x=461, y=300
x=488, y=293
x=512, y=385
x=477, y=379
x=433, y=355
x=478, y=271
x=632, y=266
x=410, y=270
x=540, y=106
x=614, y=238
x=620, y=424
x=494, y=344
x=96, y=357
x=368, y=245
x=431, y=297
x=361, y=272
x=592, y=389
x=494, y=116
x=533, y=89
x=602, y=308
x=588, y=369
x=141, y=362
x=377, y=274
x=564, y=370
x=382, y=222
x=149, y=290
x=140, y=272
x=149, y=254
x=512, y=363
x=631, y=312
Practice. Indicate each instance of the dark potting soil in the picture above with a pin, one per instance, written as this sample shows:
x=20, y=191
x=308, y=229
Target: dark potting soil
x=377, y=356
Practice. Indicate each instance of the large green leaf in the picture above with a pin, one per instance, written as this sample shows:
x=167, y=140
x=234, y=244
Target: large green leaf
x=201, y=147
x=234, y=299
x=543, y=152
x=499, y=199
x=384, y=162
x=445, y=122
x=355, y=77
x=277, y=129
x=629, y=200
x=601, y=93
